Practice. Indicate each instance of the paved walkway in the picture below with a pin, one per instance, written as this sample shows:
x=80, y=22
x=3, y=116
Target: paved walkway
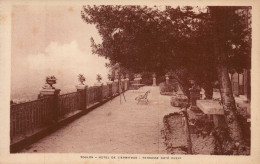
x=114, y=128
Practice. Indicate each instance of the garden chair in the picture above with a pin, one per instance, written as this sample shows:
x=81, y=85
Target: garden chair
x=143, y=97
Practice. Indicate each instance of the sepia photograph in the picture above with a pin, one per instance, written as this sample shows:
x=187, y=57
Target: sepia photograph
x=146, y=79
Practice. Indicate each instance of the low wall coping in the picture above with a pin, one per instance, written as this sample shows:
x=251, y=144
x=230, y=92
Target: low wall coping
x=210, y=107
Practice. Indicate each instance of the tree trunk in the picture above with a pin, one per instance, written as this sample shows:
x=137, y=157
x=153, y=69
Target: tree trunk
x=180, y=75
x=229, y=104
x=234, y=136
x=233, y=140
x=187, y=131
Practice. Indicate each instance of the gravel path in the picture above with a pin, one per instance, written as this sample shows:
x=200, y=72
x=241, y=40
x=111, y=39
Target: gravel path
x=113, y=128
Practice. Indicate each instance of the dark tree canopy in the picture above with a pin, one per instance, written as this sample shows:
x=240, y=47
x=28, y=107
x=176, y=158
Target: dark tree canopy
x=158, y=40
x=204, y=45
x=142, y=38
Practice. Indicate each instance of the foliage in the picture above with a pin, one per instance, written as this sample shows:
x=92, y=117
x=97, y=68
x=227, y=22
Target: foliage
x=150, y=39
x=147, y=78
x=99, y=77
x=52, y=78
x=167, y=87
x=136, y=37
x=81, y=78
x=202, y=126
x=200, y=45
x=116, y=69
x=109, y=76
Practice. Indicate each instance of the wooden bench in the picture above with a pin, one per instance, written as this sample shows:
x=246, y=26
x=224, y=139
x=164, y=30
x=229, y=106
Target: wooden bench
x=143, y=97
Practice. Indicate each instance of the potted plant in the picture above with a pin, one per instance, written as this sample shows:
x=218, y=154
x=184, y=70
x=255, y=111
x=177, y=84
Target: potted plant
x=81, y=79
x=109, y=76
x=51, y=80
x=99, y=78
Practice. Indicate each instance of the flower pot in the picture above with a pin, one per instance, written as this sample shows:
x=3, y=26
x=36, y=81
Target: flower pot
x=51, y=81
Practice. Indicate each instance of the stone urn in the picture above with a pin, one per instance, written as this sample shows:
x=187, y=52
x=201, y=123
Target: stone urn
x=48, y=89
x=126, y=77
x=51, y=80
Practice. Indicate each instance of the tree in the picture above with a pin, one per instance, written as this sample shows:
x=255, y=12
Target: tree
x=146, y=39
x=202, y=45
x=225, y=35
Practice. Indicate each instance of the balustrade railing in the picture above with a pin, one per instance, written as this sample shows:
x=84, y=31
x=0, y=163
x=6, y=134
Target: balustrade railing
x=114, y=88
x=68, y=103
x=93, y=95
x=105, y=91
x=29, y=117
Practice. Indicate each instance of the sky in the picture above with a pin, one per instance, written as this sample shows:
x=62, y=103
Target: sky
x=51, y=40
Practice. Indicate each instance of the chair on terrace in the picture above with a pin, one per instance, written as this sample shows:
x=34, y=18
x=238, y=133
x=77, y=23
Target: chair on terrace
x=143, y=97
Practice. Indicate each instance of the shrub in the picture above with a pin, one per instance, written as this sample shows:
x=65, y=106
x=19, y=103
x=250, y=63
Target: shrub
x=167, y=87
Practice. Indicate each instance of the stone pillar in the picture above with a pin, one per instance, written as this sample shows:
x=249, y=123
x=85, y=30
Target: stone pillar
x=136, y=79
x=167, y=78
x=46, y=92
x=82, y=90
x=101, y=93
x=140, y=78
x=154, y=80
x=49, y=91
x=127, y=83
x=109, y=84
x=98, y=84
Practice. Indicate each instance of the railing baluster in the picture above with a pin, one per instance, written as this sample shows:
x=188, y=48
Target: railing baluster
x=27, y=117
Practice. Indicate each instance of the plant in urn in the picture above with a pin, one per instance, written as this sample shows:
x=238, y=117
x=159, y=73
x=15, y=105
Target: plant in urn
x=99, y=78
x=51, y=80
x=81, y=79
x=109, y=76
